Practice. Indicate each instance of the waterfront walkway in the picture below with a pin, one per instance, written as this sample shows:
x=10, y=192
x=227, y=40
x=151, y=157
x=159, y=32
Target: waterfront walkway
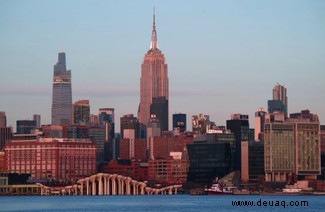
x=108, y=184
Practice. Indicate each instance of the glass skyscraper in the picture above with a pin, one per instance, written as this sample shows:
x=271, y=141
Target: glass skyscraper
x=62, y=94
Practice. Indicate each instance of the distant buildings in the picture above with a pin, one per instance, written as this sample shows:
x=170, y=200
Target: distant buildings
x=259, y=125
x=3, y=119
x=130, y=122
x=37, y=119
x=179, y=121
x=81, y=112
x=6, y=134
x=154, y=79
x=200, y=123
x=292, y=147
x=25, y=126
x=62, y=94
x=280, y=100
x=47, y=158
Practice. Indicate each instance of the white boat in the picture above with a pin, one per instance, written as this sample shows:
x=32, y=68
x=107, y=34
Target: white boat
x=217, y=188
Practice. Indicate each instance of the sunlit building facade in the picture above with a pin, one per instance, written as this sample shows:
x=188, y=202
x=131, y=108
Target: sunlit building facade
x=47, y=158
x=154, y=78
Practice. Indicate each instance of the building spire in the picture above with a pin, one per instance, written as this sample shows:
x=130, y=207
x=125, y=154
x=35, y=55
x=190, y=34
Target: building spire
x=154, y=43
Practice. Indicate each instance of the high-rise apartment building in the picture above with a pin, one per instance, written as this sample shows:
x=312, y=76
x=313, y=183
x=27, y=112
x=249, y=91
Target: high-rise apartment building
x=292, y=148
x=62, y=94
x=154, y=78
x=81, y=112
x=179, y=121
x=280, y=100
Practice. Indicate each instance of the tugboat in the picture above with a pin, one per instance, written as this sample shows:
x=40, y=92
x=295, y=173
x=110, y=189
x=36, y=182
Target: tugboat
x=217, y=188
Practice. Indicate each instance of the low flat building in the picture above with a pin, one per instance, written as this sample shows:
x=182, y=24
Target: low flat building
x=168, y=171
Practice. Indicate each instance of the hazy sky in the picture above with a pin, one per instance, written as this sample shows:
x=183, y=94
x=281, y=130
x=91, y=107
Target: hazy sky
x=223, y=57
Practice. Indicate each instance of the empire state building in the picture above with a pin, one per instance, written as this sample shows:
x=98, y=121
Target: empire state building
x=153, y=81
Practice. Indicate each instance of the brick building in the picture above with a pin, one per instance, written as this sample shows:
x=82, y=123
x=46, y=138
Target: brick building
x=168, y=171
x=135, y=169
x=47, y=158
x=133, y=149
x=161, y=147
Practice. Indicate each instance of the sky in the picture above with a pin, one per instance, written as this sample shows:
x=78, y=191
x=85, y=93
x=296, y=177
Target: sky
x=223, y=57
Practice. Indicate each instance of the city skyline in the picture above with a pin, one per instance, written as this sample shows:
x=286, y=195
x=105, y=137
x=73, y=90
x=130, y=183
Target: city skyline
x=208, y=46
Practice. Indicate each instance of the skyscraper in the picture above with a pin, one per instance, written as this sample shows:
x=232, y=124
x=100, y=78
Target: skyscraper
x=62, y=94
x=154, y=78
x=280, y=100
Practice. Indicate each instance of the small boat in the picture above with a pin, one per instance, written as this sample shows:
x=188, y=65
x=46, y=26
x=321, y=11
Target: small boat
x=217, y=188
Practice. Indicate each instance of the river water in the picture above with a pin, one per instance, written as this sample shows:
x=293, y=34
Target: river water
x=173, y=203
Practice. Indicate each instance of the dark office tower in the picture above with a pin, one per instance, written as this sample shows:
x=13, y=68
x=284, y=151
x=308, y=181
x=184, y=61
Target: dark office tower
x=3, y=119
x=130, y=122
x=239, y=125
x=81, y=112
x=280, y=100
x=179, y=121
x=25, y=126
x=5, y=136
x=159, y=107
x=37, y=118
x=256, y=161
x=154, y=78
x=62, y=94
x=208, y=160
